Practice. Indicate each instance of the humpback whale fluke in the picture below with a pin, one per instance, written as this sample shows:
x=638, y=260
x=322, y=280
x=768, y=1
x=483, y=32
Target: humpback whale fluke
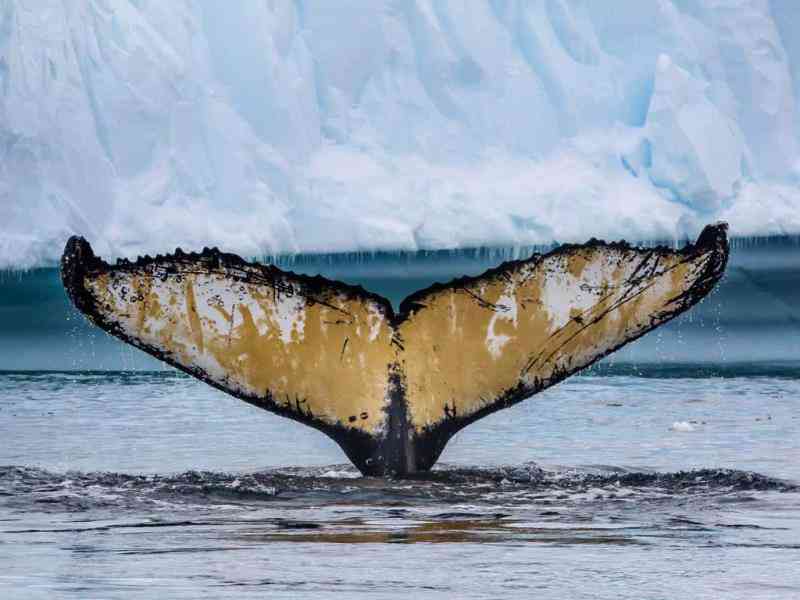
x=391, y=388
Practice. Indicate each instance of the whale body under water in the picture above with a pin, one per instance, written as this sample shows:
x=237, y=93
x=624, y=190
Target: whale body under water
x=391, y=387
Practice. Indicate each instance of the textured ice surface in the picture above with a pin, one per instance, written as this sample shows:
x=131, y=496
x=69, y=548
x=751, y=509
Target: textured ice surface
x=363, y=125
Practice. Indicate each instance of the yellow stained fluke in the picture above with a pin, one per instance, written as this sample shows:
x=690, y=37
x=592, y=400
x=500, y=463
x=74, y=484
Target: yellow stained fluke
x=391, y=388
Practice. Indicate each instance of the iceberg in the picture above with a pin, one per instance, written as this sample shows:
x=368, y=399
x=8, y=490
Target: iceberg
x=361, y=125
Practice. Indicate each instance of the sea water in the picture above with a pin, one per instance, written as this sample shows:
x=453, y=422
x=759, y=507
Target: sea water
x=662, y=485
x=649, y=476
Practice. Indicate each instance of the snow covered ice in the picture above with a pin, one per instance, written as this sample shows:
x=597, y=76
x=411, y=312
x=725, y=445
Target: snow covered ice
x=270, y=128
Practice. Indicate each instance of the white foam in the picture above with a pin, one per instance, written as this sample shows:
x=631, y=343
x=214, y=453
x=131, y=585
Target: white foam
x=682, y=426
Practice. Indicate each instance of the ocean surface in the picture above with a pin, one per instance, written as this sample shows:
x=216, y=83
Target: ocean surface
x=627, y=482
x=671, y=470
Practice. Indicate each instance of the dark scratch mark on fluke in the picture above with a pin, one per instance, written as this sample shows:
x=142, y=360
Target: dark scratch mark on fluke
x=483, y=302
x=400, y=446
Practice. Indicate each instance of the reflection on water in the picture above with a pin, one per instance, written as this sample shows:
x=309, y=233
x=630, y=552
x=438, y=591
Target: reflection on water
x=143, y=485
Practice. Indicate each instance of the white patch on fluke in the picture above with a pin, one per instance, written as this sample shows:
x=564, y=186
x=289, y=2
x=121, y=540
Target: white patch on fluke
x=507, y=305
x=374, y=320
x=290, y=315
x=562, y=293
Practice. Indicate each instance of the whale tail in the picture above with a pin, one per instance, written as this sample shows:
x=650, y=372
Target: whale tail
x=391, y=388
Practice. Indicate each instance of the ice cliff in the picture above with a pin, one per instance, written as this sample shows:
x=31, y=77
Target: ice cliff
x=280, y=127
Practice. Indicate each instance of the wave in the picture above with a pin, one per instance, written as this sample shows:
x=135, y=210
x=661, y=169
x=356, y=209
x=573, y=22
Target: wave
x=29, y=488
